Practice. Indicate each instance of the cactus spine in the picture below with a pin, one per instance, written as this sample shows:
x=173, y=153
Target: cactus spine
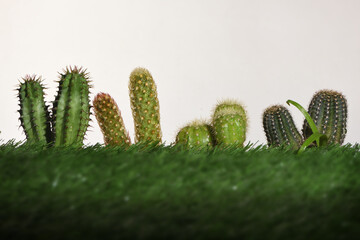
x=229, y=122
x=144, y=106
x=197, y=134
x=108, y=115
x=34, y=114
x=328, y=109
x=280, y=128
x=71, y=108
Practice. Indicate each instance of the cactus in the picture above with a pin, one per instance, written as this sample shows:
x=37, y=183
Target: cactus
x=34, y=114
x=197, y=134
x=229, y=122
x=144, y=106
x=71, y=108
x=328, y=109
x=280, y=128
x=110, y=121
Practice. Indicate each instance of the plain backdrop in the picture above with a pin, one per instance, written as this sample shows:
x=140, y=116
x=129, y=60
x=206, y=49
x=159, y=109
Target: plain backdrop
x=260, y=52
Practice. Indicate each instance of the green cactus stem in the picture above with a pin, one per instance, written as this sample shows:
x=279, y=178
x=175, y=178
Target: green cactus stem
x=197, y=134
x=328, y=109
x=108, y=116
x=71, y=108
x=145, y=106
x=280, y=128
x=34, y=114
x=229, y=122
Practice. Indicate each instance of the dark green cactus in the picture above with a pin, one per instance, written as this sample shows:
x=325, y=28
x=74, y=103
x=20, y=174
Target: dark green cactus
x=280, y=128
x=34, y=114
x=328, y=109
x=229, y=122
x=145, y=106
x=71, y=108
x=197, y=134
x=110, y=121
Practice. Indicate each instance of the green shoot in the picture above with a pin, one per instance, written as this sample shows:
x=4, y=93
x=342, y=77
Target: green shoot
x=320, y=139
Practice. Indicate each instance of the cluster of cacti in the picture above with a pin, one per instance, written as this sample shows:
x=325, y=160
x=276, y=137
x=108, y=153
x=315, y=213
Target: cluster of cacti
x=228, y=128
x=328, y=110
x=70, y=116
x=108, y=115
x=145, y=109
x=280, y=128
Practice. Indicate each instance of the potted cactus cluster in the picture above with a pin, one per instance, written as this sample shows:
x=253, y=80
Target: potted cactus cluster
x=66, y=123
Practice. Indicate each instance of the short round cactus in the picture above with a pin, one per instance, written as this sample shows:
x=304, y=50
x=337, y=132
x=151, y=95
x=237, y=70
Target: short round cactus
x=197, y=134
x=229, y=123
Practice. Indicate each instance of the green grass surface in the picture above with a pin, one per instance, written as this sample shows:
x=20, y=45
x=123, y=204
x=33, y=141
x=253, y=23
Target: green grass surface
x=165, y=193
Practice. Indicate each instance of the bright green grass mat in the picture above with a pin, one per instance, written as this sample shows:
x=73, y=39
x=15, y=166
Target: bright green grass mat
x=165, y=193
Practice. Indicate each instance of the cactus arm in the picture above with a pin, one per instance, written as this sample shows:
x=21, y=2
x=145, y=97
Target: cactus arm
x=71, y=109
x=73, y=118
x=34, y=114
x=280, y=128
x=108, y=116
x=84, y=113
x=25, y=113
x=144, y=106
x=341, y=120
x=60, y=111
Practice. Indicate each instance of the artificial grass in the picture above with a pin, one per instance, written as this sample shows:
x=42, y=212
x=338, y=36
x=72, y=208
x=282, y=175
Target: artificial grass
x=168, y=193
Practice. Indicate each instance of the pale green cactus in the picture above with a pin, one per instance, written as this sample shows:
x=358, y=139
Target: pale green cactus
x=229, y=122
x=145, y=106
x=197, y=134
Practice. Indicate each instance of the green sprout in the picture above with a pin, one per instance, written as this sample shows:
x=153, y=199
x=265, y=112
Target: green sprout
x=320, y=139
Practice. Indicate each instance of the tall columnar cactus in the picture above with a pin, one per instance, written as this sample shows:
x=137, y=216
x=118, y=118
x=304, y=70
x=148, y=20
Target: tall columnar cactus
x=145, y=106
x=71, y=108
x=328, y=109
x=280, y=128
x=229, y=122
x=197, y=134
x=34, y=114
x=110, y=121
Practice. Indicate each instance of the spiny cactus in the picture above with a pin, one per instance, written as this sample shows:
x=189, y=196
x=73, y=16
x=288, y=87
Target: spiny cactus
x=197, y=134
x=34, y=114
x=328, y=109
x=145, y=106
x=280, y=128
x=110, y=121
x=71, y=108
x=229, y=122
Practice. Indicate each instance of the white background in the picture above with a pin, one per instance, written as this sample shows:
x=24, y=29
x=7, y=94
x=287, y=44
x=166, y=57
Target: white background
x=261, y=52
